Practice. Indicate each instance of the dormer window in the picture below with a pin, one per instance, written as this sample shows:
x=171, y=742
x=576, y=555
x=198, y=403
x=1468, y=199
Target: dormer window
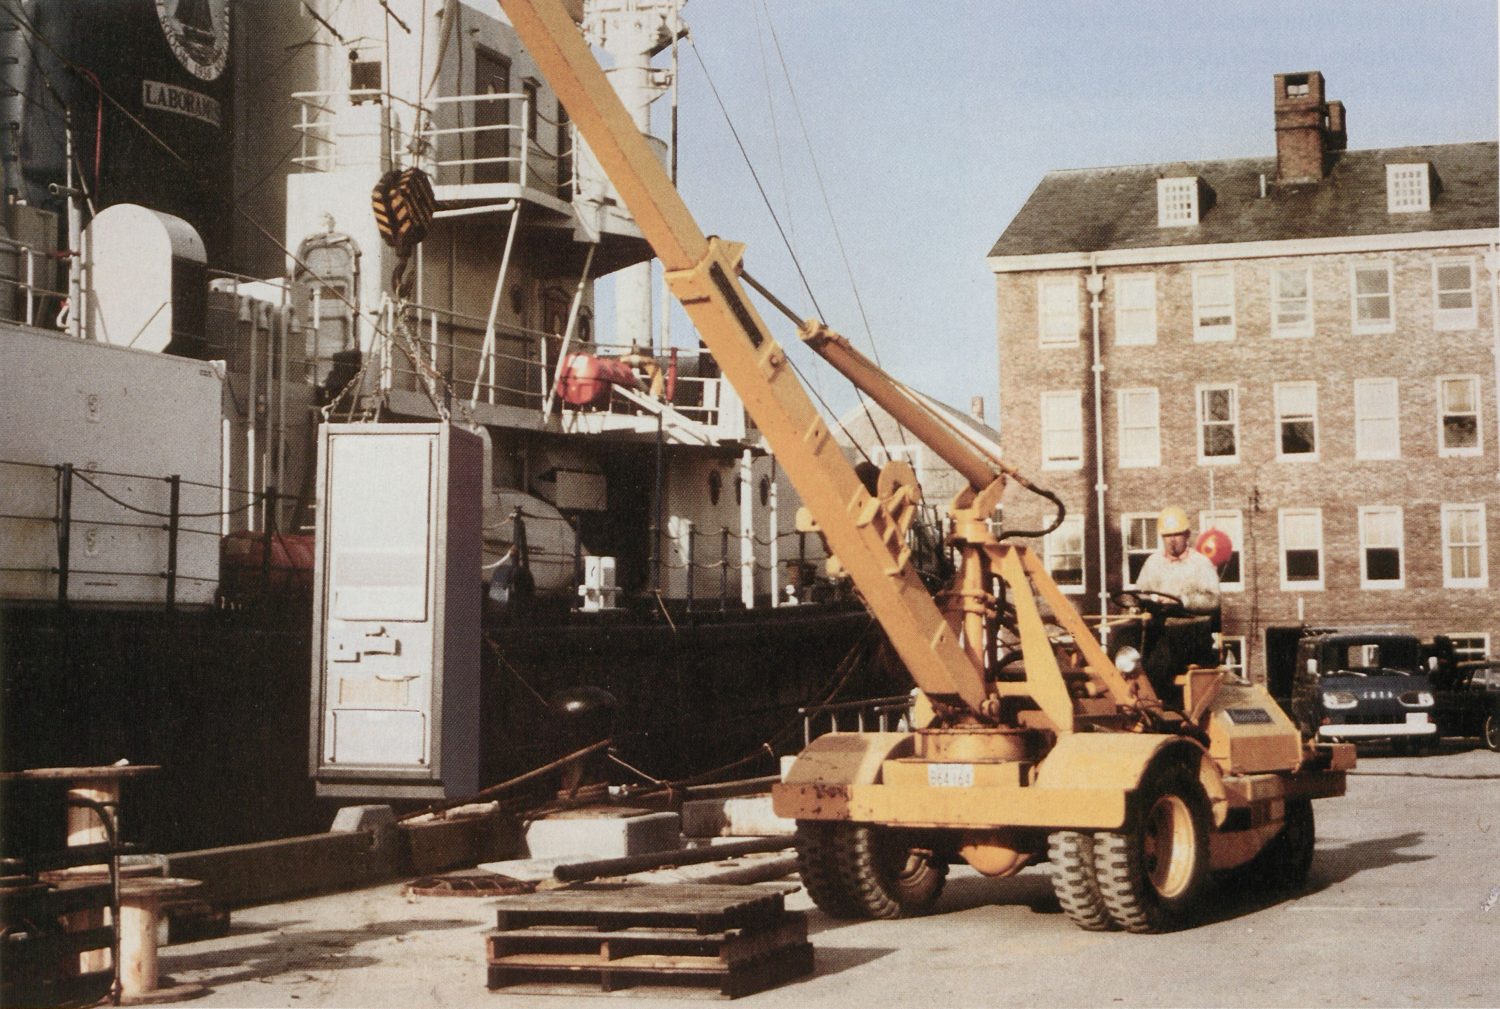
x=1182, y=202
x=1408, y=188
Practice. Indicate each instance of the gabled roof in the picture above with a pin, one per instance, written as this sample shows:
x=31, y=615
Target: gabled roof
x=1093, y=209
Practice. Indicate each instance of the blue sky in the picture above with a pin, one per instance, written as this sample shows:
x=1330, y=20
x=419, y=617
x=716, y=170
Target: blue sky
x=933, y=122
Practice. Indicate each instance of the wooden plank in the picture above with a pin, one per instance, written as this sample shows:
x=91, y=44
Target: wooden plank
x=732, y=982
x=590, y=946
x=49, y=950
x=612, y=907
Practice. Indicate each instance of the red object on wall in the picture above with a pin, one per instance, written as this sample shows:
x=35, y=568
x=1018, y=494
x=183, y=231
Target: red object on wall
x=245, y=571
x=1216, y=546
x=586, y=379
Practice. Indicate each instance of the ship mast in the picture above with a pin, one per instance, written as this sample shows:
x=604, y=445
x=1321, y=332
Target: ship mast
x=632, y=31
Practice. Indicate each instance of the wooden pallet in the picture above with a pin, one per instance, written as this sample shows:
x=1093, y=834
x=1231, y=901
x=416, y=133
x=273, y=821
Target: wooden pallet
x=737, y=939
x=610, y=906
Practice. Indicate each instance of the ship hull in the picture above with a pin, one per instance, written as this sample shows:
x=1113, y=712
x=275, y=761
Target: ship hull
x=220, y=699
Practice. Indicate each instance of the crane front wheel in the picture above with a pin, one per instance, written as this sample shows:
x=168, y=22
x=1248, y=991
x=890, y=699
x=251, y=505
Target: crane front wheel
x=1152, y=876
x=1071, y=854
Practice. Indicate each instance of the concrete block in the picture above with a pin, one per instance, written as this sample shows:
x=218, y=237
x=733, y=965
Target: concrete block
x=528, y=870
x=350, y=818
x=603, y=837
x=740, y=816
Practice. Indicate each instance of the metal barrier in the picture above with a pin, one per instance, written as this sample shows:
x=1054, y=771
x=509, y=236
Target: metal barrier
x=885, y=714
x=72, y=481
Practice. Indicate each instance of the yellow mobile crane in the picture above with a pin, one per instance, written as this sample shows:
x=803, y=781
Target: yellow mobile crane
x=1028, y=745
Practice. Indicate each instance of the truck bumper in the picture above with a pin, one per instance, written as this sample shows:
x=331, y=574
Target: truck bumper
x=1382, y=731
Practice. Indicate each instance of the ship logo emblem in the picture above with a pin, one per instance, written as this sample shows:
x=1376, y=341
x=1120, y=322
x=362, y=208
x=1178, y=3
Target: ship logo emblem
x=198, y=33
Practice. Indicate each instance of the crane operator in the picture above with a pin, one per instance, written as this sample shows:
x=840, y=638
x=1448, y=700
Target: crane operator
x=1181, y=632
x=1175, y=570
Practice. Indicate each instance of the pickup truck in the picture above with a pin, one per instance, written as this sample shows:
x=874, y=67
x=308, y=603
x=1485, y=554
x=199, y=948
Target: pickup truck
x=1467, y=695
x=1357, y=686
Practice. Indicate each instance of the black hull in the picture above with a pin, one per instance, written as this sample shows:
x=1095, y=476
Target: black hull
x=220, y=699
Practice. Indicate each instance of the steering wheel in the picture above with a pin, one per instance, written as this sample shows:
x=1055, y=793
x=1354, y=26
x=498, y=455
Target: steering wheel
x=1142, y=599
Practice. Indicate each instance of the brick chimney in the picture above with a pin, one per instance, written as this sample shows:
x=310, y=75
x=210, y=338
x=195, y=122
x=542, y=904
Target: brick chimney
x=1308, y=128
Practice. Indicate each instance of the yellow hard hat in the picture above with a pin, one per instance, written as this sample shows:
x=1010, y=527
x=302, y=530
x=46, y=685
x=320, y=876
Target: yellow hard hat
x=1172, y=520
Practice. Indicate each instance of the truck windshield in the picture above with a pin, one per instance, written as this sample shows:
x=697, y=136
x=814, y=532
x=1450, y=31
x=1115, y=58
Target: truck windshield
x=1388, y=656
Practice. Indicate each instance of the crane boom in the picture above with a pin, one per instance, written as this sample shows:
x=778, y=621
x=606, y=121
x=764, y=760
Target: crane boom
x=703, y=273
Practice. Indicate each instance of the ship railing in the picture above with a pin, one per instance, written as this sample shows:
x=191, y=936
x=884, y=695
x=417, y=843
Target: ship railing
x=90, y=509
x=521, y=367
x=460, y=140
x=876, y=714
x=685, y=557
x=24, y=270
x=515, y=373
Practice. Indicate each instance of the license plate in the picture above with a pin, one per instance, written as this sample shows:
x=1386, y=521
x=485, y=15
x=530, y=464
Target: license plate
x=950, y=775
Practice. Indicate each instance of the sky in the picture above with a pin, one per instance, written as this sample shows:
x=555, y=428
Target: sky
x=931, y=123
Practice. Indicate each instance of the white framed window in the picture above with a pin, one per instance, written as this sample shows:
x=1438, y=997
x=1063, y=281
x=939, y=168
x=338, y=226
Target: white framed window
x=1140, y=428
x=1372, y=306
x=1213, y=305
x=1062, y=430
x=1138, y=540
x=1469, y=646
x=1232, y=524
x=1408, y=188
x=1301, y=533
x=1062, y=550
x=1177, y=204
x=1234, y=655
x=1453, y=300
x=1291, y=301
x=1458, y=415
x=1135, y=309
x=1465, y=547
x=1057, y=311
x=899, y=451
x=1296, y=420
x=1218, y=424
x=1377, y=418
x=1382, y=547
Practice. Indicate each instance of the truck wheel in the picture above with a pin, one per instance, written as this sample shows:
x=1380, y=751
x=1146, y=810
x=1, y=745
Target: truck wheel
x=821, y=866
x=1152, y=876
x=1073, y=880
x=1492, y=733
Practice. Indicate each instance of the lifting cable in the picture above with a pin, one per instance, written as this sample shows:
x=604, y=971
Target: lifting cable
x=791, y=251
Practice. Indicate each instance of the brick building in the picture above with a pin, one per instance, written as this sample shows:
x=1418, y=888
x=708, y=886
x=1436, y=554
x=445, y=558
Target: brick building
x=1299, y=350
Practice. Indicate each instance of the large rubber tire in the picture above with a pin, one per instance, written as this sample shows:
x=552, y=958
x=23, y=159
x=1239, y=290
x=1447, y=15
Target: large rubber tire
x=1289, y=856
x=854, y=870
x=820, y=862
x=1492, y=733
x=1284, y=863
x=1152, y=876
x=1075, y=882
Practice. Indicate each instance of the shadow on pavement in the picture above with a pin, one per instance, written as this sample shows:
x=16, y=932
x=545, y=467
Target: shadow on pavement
x=1334, y=865
x=837, y=959
x=294, y=951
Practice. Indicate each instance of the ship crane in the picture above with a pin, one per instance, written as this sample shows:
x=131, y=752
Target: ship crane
x=1048, y=752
